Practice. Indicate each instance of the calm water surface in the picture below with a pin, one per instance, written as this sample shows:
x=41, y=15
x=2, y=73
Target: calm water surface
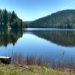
x=53, y=45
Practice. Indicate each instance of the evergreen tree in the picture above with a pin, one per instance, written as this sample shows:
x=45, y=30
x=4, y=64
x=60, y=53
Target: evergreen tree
x=12, y=19
x=0, y=16
x=5, y=18
x=8, y=19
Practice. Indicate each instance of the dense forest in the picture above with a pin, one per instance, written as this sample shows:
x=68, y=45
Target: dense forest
x=61, y=19
x=9, y=20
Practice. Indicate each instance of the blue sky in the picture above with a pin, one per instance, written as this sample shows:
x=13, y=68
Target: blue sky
x=29, y=10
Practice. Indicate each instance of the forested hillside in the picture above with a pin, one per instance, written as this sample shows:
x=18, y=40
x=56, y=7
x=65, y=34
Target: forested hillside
x=9, y=20
x=61, y=19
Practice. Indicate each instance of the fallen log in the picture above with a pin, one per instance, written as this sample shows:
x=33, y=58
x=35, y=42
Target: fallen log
x=5, y=59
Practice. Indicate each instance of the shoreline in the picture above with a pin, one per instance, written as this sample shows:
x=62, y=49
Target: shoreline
x=33, y=29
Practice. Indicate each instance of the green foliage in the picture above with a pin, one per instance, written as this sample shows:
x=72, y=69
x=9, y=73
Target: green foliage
x=5, y=17
x=9, y=20
x=61, y=19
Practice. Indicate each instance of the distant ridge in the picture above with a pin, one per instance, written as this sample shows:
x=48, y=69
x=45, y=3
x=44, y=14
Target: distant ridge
x=60, y=19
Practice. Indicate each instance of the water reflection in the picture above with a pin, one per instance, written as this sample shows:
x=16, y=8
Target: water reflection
x=54, y=45
x=9, y=36
x=60, y=37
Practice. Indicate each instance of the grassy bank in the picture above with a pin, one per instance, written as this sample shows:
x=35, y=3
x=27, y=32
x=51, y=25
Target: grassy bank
x=30, y=70
x=33, y=66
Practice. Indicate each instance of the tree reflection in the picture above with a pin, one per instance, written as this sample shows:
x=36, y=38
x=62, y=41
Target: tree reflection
x=61, y=37
x=9, y=36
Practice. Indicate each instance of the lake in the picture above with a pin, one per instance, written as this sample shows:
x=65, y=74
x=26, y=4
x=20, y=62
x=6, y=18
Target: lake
x=55, y=45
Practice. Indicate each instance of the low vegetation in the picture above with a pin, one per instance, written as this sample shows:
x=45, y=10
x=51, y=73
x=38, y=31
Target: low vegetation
x=32, y=66
x=31, y=70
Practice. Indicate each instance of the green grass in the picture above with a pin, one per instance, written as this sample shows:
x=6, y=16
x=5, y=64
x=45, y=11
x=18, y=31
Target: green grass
x=31, y=70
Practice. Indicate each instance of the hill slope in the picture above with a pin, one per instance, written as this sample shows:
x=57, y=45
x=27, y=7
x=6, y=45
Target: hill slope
x=61, y=19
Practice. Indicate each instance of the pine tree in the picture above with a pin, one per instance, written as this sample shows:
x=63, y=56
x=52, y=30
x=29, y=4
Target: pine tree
x=12, y=19
x=0, y=16
x=5, y=17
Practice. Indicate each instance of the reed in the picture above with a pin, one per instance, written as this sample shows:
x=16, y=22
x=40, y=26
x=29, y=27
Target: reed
x=32, y=60
x=28, y=60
